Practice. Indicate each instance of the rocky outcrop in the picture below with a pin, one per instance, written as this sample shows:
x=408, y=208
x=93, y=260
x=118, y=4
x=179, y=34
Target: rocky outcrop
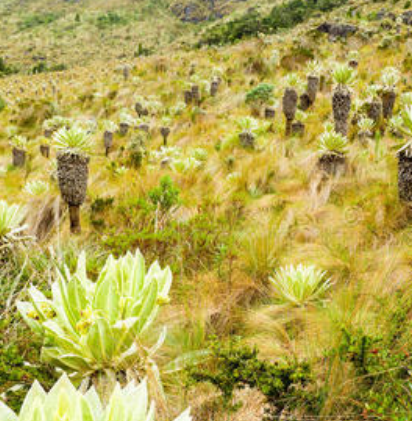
x=196, y=11
x=337, y=30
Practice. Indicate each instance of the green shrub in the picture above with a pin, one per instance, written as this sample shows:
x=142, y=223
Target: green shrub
x=2, y=104
x=38, y=20
x=262, y=94
x=234, y=367
x=166, y=195
x=5, y=69
x=110, y=19
x=283, y=16
x=19, y=366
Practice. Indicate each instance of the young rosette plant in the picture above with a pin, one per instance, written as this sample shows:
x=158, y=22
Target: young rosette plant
x=73, y=146
x=97, y=328
x=300, y=285
x=37, y=188
x=333, y=147
x=65, y=403
x=250, y=129
x=109, y=128
x=390, y=78
x=20, y=146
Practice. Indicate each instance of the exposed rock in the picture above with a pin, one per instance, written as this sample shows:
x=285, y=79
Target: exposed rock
x=337, y=30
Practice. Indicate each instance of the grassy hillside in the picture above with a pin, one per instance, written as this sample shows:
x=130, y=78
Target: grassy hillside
x=240, y=209
x=80, y=32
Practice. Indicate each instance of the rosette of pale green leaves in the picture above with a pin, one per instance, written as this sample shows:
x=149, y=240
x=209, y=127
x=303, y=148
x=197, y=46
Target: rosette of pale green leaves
x=251, y=125
x=74, y=140
x=331, y=142
x=65, y=403
x=403, y=123
x=343, y=74
x=37, y=188
x=19, y=142
x=90, y=326
x=299, y=285
x=390, y=77
x=365, y=125
x=110, y=126
x=57, y=122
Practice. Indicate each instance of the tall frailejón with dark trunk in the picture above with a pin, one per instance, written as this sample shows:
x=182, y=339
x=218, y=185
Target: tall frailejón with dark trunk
x=342, y=98
x=390, y=78
x=73, y=171
x=289, y=102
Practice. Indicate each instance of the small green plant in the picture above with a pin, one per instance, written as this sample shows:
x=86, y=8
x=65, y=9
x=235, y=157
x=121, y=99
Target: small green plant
x=37, y=188
x=233, y=366
x=365, y=125
x=166, y=195
x=2, y=104
x=299, y=285
x=390, y=77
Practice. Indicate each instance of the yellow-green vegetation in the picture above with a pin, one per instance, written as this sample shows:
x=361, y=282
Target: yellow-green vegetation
x=290, y=250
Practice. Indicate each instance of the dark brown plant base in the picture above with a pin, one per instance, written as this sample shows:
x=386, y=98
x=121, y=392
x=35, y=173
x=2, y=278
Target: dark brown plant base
x=298, y=128
x=388, y=102
x=405, y=177
x=247, y=140
x=270, y=113
x=19, y=157
x=332, y=164
x=304, y=102
x=341, y=103
x=45, y=151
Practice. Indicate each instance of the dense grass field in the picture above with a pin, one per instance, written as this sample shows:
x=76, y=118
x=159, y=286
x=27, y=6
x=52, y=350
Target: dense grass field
x=222, y=214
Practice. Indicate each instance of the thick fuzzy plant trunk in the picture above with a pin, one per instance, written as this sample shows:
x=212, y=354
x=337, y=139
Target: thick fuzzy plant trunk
x=196, y=94
x=405, y=177
x=289, y=102
x=214, y=87
x=73, y=175
x=353, y=63
x=313, y=88
x=341, y=103
x=19, y=157
x=298, y=128
x=45, y=151
x=188, y=97
x=304, y=102
x=388, y=103
x=375, y=110
x=165, y=132
x=123, y=129
x=332, y=163
x=247, y=140
x=48, y=133
x=270, y=113
x=108, y=141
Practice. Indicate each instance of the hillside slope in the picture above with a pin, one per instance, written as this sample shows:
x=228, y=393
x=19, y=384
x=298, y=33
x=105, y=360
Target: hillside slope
x=80, y=32
x=227, y=165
